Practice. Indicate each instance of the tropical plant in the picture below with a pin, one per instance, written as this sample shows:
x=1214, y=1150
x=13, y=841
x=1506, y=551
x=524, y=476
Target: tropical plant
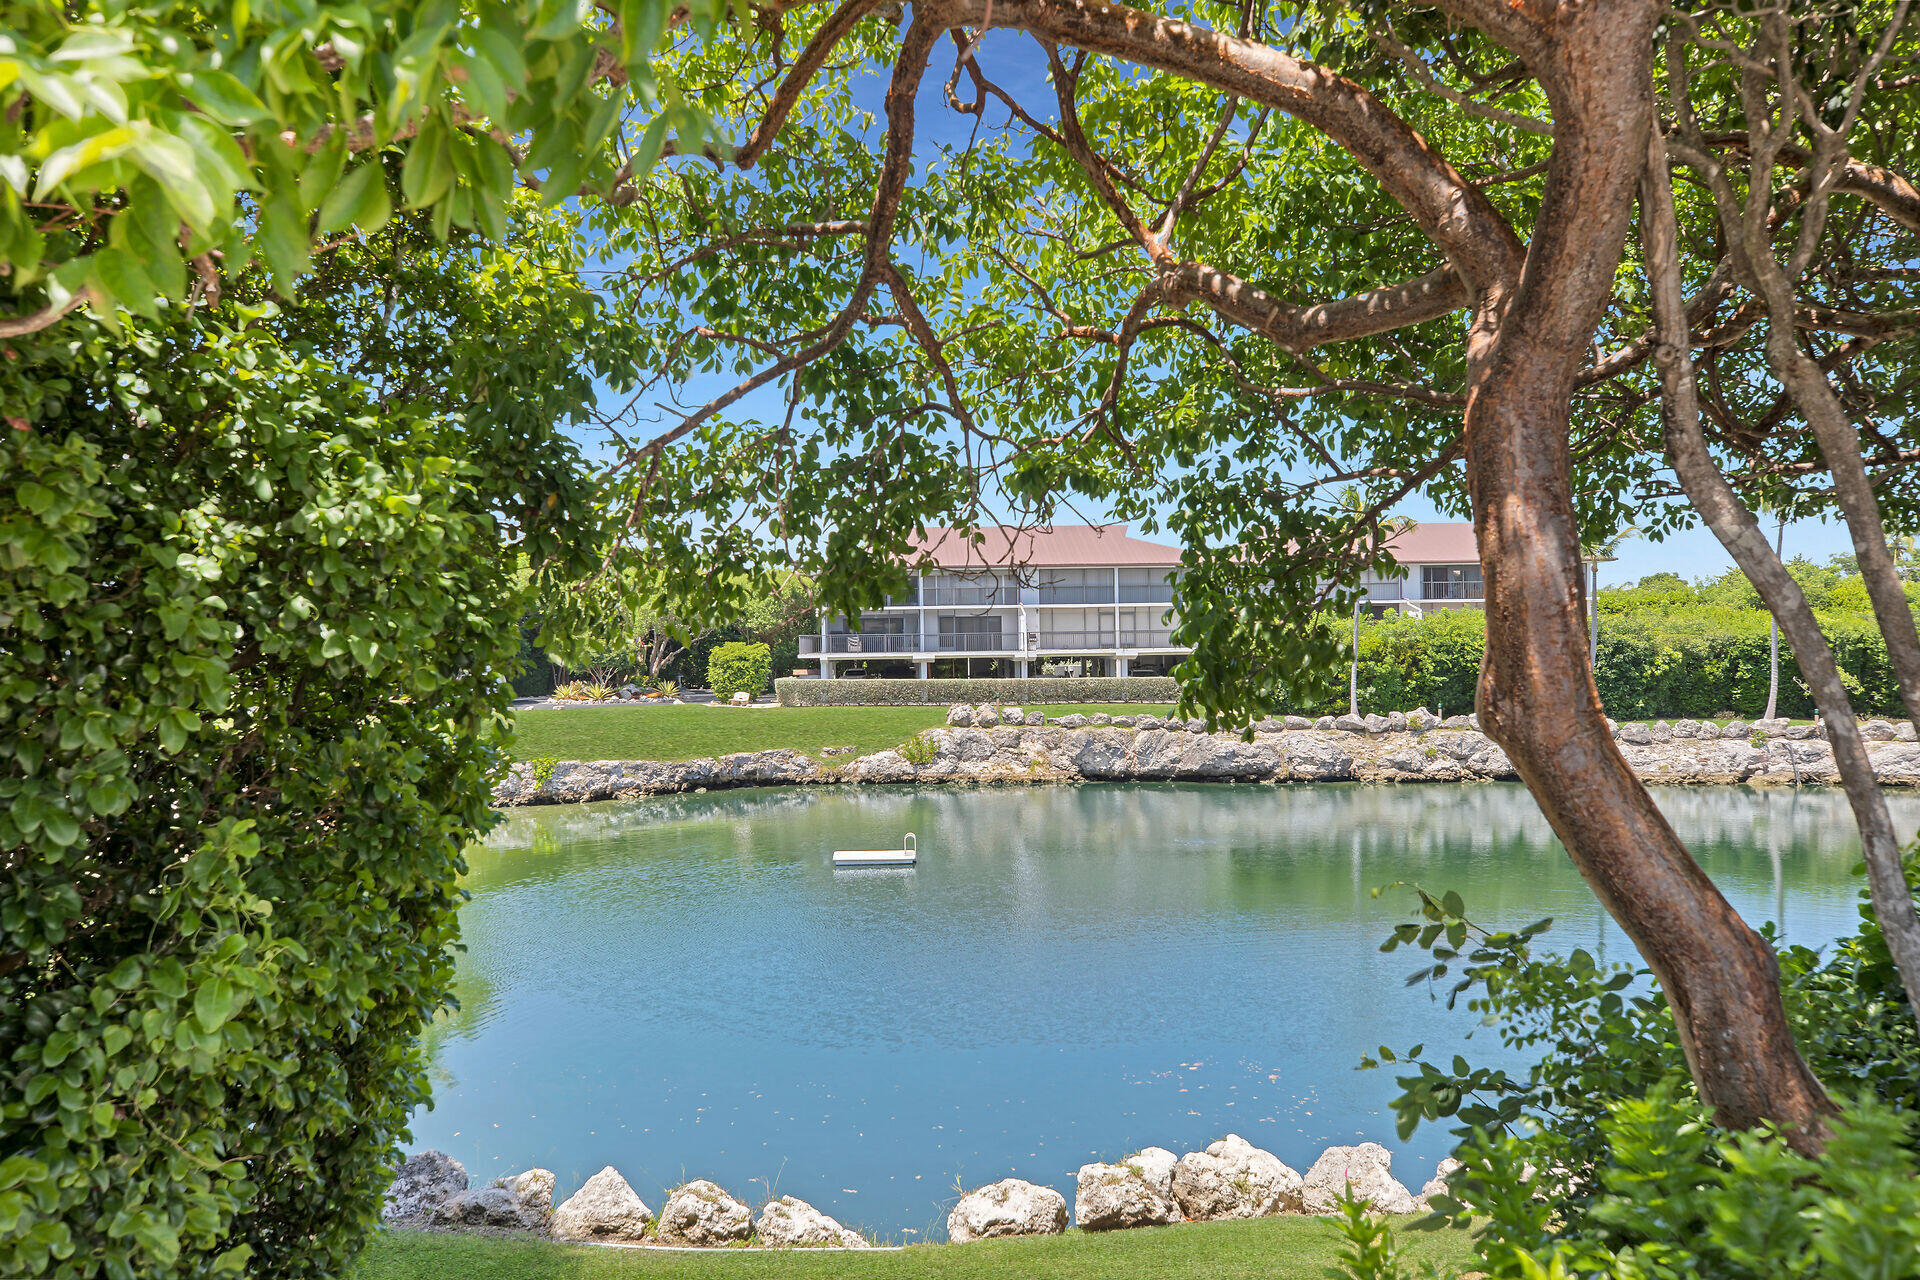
x=739, y=668
x=251, y=699
x=583, y=691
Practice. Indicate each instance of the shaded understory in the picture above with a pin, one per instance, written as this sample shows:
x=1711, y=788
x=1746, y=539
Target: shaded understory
x=1268, y=1248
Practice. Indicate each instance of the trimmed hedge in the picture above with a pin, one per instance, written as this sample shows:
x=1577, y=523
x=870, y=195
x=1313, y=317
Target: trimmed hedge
x=1693, y=660
x=739, y=667
x=794, y=692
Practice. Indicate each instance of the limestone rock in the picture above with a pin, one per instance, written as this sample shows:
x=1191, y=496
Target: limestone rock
x=1376, y=723
x=1687, y=729
x=1736, y=729
x=985, y=717
x=1367, y=1169
x=1396, y=722
x=1636, y=734
x=1234, y=1179
x=1099, y=719
x=1325, y=723
x=960, y=716
x=604, y=1208
x=426, y=1181
x=1035, y=719
x=1196, y=726
x=1771, y=728
x=1072, y=720
x=1660, y=731
x=700, y=1213
x=1143, y=723
x=1010, y=715
x=1904, y=731
x=1123, y=722
x=1419, y=720
x=521, y=1201
x=1437, y=1184
x=1877, y=731
x=788, y=1223
x=1136, y=1192
x=1296, y=723
x=1009, y=1207
x=1348, y=724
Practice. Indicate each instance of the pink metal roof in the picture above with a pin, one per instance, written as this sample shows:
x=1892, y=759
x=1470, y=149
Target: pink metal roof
x=1068, y=545
x=1436, y=544
x=1057, y=546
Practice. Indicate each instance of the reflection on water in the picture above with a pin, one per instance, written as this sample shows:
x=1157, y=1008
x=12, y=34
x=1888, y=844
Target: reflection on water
x=684, y=987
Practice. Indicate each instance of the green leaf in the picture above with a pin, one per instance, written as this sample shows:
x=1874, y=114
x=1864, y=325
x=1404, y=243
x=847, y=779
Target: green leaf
x=224, y=98
x=213, y=1003
x=359, y=201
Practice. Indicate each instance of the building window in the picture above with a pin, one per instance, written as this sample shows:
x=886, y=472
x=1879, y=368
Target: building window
x=1451, y=582
x=1146, y=586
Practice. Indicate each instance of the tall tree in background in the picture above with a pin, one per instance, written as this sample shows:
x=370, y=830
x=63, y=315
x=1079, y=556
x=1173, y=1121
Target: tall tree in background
x=1214, y=262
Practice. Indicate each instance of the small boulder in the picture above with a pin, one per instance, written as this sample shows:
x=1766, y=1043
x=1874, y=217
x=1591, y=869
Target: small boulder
x=1123, y=722
x=1348, y=724
x=1009, y=1207
x=1437, y=1184
x=1073, y=720
x=1136, y=1192
x=1904, y=731
x=1634, y=734
x=1419, y=720
x=426, y=1181
x=1736, y=729
x=1456, y=722
x=1143, y=723
x=1660, y=731
x=1396, y=722
x=1296, y=723
x=700, y=1213
x=1687, y=729
x=604, y=1208
x=1196, y=726
x=1367, y=1169
x=1233, y=1178
x=520, y=1201
x=1771, y=727
x=1099, y=719
x=1035, y=719
x=1877, y=731
x=1011, y=715
x=985, y=718
x=788, y=1223
x=1375, y=722
x=1325, y=723
x=960, y=716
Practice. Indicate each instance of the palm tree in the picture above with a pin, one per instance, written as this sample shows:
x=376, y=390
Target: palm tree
x=1353, y=502
x=1596, y=554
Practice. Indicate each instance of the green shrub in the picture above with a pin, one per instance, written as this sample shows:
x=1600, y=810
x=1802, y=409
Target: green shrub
x=583, y=691
x=251, y=687
x=794, y=692
x=919, y=749
x=739, y=667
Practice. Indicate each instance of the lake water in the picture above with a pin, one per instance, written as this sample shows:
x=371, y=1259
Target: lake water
x=683, y=987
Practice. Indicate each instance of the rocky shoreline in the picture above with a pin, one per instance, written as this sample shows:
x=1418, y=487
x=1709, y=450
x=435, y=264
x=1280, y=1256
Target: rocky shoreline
x=1003, y=746
x=1230, y=1179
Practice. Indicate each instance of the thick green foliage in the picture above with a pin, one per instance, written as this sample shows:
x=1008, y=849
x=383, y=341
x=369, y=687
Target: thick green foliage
x=137, y=138
x=251, y=692
x=739, y=667
x=1599, y=1162
x=1655, y=660
x=794, y=692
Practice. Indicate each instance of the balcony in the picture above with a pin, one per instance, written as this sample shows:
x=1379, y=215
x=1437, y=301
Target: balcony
x=1076, y=595
x=872, y=643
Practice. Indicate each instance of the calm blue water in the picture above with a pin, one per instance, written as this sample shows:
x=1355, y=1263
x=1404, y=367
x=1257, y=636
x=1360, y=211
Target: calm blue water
x=683, y=987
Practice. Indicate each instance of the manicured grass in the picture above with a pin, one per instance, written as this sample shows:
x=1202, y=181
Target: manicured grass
x=1267, y=1248
x=689, y=732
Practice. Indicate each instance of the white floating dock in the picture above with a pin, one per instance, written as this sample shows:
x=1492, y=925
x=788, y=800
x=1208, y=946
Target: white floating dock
x=878, y=857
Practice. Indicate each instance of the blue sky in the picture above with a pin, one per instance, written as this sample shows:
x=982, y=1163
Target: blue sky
x=1017, y=65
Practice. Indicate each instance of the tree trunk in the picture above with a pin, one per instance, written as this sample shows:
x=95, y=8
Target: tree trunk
x=1740, y=533
x=1353, y=670
x=1773, y=628
x=1537, y=696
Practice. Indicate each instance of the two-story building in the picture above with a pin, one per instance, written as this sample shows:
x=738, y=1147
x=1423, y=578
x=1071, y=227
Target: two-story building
x=1077, y=600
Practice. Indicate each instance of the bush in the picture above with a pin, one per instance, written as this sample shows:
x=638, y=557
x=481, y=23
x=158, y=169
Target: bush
x=795, y=692
x=739, y=667
x=254, y=672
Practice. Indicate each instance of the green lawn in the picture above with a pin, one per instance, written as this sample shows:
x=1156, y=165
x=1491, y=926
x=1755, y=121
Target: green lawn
x=689, y=732
x=1267, y=1248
